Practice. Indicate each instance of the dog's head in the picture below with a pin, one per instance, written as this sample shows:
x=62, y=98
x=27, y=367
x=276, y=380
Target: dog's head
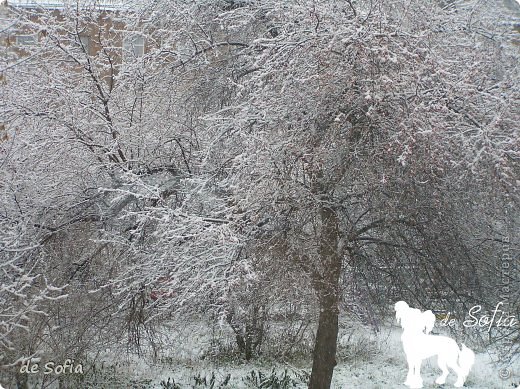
x=413, y=319
x=401, y=309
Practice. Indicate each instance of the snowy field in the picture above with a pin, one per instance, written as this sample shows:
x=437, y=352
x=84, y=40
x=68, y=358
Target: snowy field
x=365, y=360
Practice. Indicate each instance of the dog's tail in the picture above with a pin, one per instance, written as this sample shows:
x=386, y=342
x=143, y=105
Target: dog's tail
x=466, y=360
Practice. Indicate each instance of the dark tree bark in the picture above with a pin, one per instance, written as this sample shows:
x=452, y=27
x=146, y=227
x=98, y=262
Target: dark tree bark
x=324, y=355
x=326, y=284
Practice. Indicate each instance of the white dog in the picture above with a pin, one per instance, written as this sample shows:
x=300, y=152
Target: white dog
x=419, y=345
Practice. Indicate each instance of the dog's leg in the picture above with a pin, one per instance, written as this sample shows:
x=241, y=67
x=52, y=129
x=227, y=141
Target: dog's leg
x=414, y=380
x=454, y=365
x=410, y=375
x=460, y=380
x=418, y=380
x=443, y=366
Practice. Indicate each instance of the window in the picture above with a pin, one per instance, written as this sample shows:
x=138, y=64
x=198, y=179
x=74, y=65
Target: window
x=25, y=40
x=133, y=46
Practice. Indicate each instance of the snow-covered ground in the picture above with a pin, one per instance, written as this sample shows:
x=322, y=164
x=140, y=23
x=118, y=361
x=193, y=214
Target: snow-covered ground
x=365, y=360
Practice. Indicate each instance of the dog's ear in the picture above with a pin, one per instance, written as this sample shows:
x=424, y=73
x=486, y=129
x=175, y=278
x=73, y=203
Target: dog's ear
x=429, y=321
x=400, y=309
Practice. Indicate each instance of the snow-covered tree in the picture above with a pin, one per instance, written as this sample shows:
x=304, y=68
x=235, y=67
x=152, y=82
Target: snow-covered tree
x=336, y=142
x=352, y=123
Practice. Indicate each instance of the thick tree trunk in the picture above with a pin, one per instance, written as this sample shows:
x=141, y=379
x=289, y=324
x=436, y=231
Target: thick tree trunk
x=326, y=284
x=324, y=355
